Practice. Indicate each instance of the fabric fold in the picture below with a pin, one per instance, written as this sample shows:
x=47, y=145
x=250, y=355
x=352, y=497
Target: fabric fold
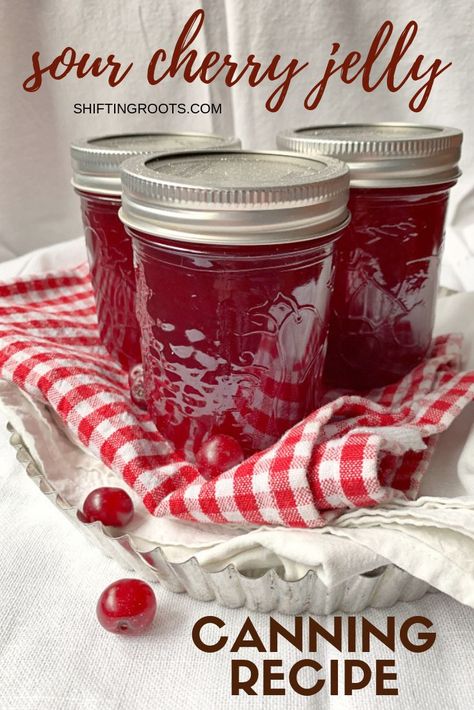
x=354, y=451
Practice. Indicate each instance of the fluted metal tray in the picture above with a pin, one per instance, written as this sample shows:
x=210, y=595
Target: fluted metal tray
x=262, y=591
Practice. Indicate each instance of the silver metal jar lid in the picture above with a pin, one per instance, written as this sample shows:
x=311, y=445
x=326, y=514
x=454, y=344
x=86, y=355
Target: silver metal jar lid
x=235, y=197
x=383, y=154
x=96, y=161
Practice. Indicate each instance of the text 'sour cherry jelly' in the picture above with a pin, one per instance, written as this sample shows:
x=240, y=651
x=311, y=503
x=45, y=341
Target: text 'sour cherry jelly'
x=388, y=261
x=96, y=177
x=234, y=268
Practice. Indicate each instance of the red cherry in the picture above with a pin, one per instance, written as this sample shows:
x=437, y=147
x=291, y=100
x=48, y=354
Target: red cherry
x=112, y=506
x=127, y=606
x=217, y=454
x=136, y=384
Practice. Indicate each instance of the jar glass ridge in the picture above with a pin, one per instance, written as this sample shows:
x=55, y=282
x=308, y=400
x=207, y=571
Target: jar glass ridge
x=387, y=264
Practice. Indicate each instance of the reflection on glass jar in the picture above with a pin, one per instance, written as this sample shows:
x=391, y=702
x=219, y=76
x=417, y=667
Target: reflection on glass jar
x=112, y=274
x=386, y=282
x=233, y=342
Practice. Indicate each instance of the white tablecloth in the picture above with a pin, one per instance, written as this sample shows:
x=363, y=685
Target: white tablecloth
x=54, y=654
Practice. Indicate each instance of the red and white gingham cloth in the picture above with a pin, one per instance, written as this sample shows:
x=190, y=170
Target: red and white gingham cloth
x=354, y=451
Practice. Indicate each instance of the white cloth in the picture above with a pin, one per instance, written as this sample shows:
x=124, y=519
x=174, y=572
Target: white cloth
x=55, y=655
x=432, y=538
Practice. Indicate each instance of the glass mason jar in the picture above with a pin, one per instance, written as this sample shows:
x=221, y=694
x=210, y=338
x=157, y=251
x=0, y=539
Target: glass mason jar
x=388, y=261
x=234, y=267
x=96, y=178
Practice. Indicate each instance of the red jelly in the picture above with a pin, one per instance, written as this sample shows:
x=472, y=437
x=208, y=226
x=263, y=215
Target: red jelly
x=234, y=266
x=388, y=261
x=96, y=165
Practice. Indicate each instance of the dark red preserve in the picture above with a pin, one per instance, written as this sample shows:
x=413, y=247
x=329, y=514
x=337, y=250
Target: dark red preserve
x=383, y=307
x=96, y=178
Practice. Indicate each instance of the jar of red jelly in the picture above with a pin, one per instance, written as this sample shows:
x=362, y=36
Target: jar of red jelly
x=96, y=169
x=388, y=261
x=234, y=268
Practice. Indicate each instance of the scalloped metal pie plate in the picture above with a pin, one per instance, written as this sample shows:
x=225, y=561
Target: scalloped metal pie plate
x=258, y=591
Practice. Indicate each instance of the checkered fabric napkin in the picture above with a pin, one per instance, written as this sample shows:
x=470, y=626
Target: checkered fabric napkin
x=354, y=451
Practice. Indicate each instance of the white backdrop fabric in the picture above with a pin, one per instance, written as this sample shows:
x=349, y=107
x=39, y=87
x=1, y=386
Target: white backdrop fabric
x=37, y=204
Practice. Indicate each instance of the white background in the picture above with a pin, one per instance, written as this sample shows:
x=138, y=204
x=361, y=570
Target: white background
x=37, y=204
x=52, y=652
